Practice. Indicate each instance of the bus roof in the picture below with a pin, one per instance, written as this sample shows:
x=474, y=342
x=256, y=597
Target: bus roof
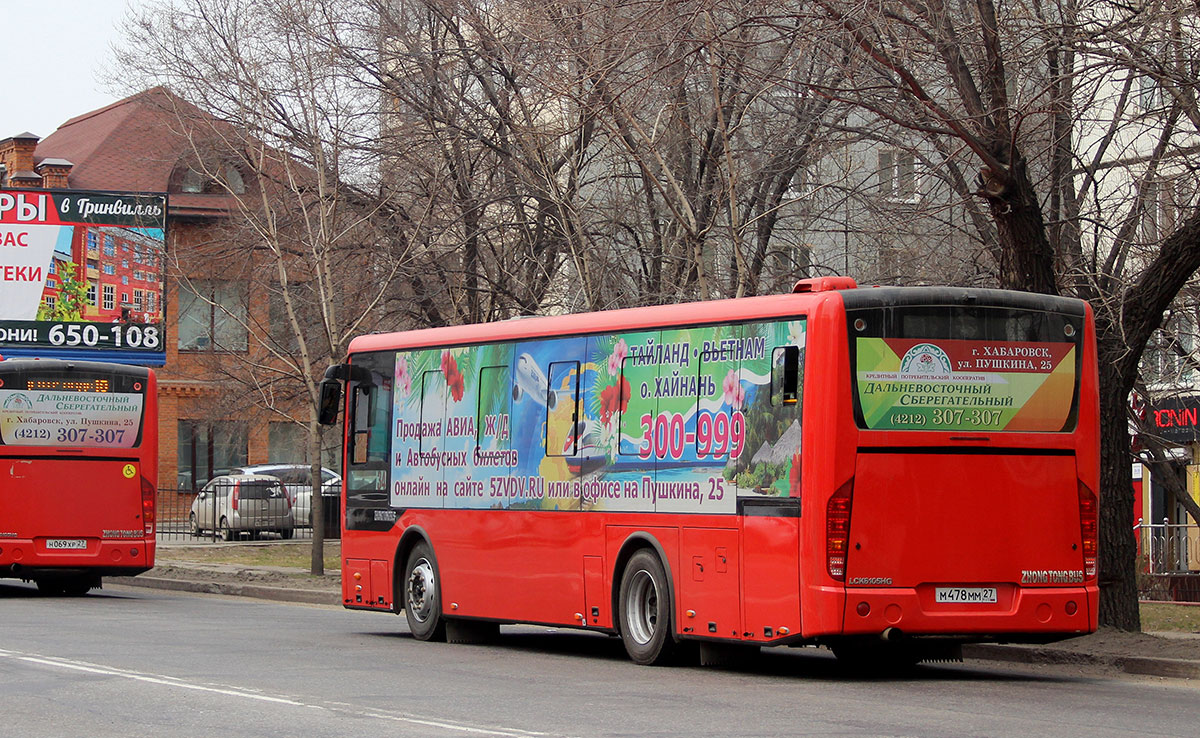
x=701, y=313
x=658, y=316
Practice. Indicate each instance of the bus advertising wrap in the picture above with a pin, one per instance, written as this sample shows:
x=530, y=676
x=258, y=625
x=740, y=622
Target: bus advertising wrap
x=81, y=274
x=962, y=385
x=680, y=420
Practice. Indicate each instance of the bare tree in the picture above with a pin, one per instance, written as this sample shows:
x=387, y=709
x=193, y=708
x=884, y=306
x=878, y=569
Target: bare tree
x=1039, y=100
x=275, y=129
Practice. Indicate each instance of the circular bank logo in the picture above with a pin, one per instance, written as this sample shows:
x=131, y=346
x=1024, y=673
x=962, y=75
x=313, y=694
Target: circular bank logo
x=925, y=360
x=18, y=401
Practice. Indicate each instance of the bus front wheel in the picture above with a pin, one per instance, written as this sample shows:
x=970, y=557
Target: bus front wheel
x=644, y=610
x=422, y=595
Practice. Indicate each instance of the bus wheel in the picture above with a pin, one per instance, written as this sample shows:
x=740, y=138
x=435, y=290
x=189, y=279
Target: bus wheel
x=79, y=586
x=644, y=610
x=195, y=525
x=422, y=597
x=49, y=587
x=226, y=532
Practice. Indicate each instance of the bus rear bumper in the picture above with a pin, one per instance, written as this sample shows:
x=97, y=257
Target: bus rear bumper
x=24, y=558
x=1032, y=612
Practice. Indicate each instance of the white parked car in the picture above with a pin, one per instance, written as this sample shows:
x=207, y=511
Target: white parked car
x=297, y=480
x=232, y=504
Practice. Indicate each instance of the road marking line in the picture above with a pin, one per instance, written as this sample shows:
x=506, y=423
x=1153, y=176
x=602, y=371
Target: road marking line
x=343, y=707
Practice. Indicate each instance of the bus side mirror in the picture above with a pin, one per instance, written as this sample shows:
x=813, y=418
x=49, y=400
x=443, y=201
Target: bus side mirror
x=331, y=398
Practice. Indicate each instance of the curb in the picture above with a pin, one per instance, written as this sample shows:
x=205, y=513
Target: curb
x=258, y=591
x=1140, y=665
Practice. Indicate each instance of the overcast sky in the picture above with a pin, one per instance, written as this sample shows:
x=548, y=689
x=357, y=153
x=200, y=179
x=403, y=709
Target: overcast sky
x=45, y=85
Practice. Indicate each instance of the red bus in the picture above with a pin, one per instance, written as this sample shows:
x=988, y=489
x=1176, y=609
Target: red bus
x=78, y=472
x=889, y=472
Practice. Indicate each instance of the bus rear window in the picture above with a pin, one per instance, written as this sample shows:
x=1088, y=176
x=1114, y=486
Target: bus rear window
x=965, y=368
x=70, y=408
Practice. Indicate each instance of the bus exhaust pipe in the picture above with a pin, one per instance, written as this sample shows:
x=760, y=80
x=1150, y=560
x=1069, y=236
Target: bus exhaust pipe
x=891, y=635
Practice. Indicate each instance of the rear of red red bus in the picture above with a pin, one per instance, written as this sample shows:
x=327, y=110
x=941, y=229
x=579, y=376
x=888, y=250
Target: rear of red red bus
x=958, y=497
x=78, y=472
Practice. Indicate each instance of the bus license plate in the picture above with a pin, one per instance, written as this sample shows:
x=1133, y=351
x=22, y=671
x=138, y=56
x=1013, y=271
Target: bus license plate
x=66, y=543
x=966, y=594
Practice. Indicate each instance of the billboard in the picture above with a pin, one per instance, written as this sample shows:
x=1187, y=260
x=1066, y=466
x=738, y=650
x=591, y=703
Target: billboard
x=81, y=275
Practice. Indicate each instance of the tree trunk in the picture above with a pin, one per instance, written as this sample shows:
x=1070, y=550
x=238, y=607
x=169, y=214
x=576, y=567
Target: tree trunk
x=316, y=513
x=1118, y=547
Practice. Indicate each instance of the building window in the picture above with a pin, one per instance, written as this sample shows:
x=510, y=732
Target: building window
x=286, y=443
x=110, y=269
x=109, y=245
x=124, y=279
x=150, y=302
x=50, y=302
x=137, y=300
x=54, y=266
x=897, y=174
x=124, y=263
x=212, y=316
x=93, y=242
x=91, y=294
x=108, y=297
x=206, y=450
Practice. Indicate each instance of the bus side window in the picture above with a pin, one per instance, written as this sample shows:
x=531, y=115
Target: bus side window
x=360, y=436
x=562, y=433
x=494, y=411
x=786, y=373
x=433, y=410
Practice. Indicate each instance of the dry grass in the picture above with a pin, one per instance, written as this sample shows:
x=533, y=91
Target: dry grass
x=298, y=555
x=1164, y=616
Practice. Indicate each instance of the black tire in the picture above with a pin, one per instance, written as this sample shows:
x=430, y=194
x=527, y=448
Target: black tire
x=227, y=533
x=194, y=524
x=286, y=534
x=644, y=610
x=871, y=657
x=80, y=585
x=50, y=587
x=422, y=595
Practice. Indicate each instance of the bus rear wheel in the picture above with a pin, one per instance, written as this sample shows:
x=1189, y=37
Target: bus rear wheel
x=644, y=610
x=50, y=587
x=80, y=585
x=422, y=595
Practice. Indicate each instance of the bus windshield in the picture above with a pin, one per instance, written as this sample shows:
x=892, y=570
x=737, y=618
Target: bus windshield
x=70, y=407
x=965, y=368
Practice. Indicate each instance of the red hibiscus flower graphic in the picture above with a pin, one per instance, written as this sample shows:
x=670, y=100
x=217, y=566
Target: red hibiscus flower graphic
x=454, y=378
x=614, y=399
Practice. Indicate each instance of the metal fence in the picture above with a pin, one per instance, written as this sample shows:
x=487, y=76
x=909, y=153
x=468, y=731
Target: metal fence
x=1169, y=557
x=230, y=513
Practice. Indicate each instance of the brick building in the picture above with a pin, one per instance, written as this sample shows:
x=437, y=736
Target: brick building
x=136, y=145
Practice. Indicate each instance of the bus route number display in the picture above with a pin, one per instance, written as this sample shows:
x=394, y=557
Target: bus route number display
x=76, y=419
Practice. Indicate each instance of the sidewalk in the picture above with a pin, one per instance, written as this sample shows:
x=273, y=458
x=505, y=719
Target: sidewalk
x=1166, y=655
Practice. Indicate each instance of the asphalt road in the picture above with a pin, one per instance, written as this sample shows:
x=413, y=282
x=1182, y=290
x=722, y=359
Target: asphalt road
x=136, y=662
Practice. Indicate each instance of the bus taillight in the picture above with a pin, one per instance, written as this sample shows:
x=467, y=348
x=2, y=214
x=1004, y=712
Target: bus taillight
x=149, y=516
x=837, y=531
x=1087, y=524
